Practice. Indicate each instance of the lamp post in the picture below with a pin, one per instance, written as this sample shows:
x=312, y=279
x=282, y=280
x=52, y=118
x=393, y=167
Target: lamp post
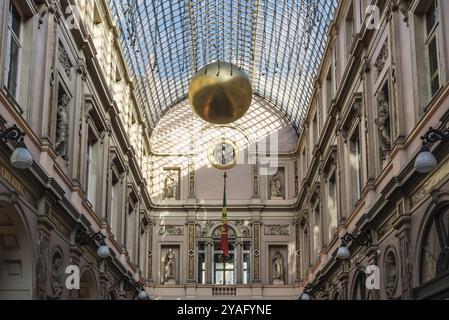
x=82, y=239
x=425, y=161
x=343, y=252
x=21, y=157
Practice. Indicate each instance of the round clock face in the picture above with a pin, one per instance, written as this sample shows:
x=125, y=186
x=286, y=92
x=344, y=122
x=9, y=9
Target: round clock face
x=222, y=155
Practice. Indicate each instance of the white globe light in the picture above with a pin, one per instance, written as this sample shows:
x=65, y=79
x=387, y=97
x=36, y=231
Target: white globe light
x=142, y=295
x=21, y=158
x=343, y=253
x=305, y=297
x=103, y=251
x=425, y=161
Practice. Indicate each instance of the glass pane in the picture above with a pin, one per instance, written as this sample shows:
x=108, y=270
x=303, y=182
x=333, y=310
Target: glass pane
x=230, y=277
x=13, y=67
x=229, y=265
x=431, y=251
x=435, y=85
x=431, y=17
x=219, y=276
x=15, y=21
x=218, y=266
x=433, y=56
x=201, y=269
x=283, y=42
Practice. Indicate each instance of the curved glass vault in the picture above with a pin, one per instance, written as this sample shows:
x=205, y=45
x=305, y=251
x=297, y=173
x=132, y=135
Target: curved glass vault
x=278, y=43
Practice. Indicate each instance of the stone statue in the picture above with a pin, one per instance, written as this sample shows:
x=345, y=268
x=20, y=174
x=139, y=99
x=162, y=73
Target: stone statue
x=383, y=121
x=278, y=268
x=276, y=186
x=56, y=276
x=62, y=126
x=171, y=185
x=390, y=274
x=169, y=266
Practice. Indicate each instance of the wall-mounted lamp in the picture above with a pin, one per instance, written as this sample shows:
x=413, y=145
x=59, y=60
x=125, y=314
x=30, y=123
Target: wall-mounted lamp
x=83, y=238
x=362, y=239
x=425, y=161
x=21, y=157
x=143, y=295
x=318, y=285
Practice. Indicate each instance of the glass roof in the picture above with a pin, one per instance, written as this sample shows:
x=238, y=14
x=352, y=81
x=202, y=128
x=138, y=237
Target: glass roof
x=278, y=43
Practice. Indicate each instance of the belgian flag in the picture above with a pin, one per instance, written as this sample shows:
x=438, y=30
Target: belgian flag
x=224, y=223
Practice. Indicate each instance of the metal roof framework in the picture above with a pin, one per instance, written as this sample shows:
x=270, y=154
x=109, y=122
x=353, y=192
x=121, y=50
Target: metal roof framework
x=278, y=43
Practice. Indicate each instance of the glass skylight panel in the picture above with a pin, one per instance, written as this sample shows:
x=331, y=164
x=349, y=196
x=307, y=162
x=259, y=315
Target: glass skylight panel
x=278, y=43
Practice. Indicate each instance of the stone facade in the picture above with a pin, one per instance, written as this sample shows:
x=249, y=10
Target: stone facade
x=155, y=194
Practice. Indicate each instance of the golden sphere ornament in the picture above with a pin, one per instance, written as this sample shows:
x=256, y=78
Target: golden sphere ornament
x=220, y=93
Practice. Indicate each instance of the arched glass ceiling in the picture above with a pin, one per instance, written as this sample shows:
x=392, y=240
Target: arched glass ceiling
x=279, y=43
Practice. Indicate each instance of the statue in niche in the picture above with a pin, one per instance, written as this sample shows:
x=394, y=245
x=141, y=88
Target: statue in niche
x=169, y=267
x=276, y=186
x=56, y=276
x=62, y=126
x=383, y=121
x=390, y=274
x=278, y=268
x=171, y=185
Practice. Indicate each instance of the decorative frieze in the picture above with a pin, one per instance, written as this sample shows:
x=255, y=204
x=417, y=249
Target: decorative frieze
x=171, y=230
x=150, y=253
x=191, y=252
x=426, y=189
x=256, y=252
x=65, y=62
x=277, y=230
x=382, y=58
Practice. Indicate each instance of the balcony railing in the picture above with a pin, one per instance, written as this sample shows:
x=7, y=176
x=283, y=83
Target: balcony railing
x=224, y=291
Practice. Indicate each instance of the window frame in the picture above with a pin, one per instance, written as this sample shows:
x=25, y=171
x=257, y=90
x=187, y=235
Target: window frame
x=431, y=35
x=11, y=36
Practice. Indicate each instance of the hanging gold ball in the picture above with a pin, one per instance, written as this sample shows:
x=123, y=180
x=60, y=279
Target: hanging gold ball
x=220, y=93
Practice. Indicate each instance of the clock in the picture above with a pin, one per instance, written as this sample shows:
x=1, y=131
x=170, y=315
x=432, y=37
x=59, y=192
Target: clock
x=222, y=154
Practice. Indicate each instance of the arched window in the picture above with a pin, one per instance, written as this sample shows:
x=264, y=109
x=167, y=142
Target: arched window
x=224, y=270
x=359, y=290
x=435, y=247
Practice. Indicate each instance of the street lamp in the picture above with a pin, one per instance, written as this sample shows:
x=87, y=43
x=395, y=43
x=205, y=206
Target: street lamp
x=82, y=239
x=343, y=252
x=143, y=295
x=21, y=157
x=425, y=161
x=318, y=285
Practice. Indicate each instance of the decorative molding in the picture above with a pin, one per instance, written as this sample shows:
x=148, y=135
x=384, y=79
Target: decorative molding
x=171, y=230
x=382, y=58
x=65, y=62
x=191, y=251
x=426, y=189
x=277, y=230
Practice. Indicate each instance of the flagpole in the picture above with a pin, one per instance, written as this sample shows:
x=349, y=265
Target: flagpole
x=224, y=227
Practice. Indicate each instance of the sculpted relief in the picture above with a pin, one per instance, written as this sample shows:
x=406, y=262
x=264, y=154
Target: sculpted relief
x=383, y=122
x=169, y=267
x=278, y=268
x=62, y=125
x=276, y=189
x=171, y=184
